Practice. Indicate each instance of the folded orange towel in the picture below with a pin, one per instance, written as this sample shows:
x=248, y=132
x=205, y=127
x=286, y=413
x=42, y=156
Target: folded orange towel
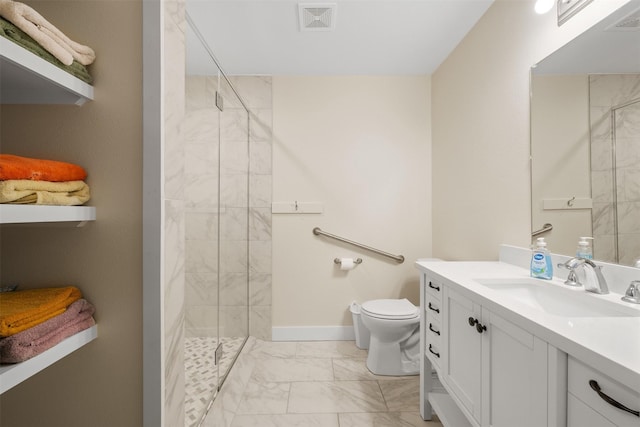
x=17, y=167
x=22, y=310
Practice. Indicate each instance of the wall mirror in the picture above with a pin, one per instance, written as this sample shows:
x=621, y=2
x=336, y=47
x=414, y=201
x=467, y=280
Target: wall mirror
x=585, y=140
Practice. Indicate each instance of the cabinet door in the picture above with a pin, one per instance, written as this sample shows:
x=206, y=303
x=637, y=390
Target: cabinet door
x=462, y=351
x=514, y=375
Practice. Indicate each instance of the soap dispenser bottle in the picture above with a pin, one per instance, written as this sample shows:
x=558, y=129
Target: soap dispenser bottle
x=584, y=248
x=541, y=265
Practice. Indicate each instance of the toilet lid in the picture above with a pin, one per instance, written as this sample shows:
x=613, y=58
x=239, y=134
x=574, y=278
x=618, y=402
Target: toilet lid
x=390, y=308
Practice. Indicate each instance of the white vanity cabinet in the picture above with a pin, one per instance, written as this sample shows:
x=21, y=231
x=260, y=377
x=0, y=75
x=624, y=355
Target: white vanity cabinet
x=497, y=373
x=586, y=408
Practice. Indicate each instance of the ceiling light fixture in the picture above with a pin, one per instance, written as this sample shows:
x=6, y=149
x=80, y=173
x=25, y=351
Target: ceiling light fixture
x=543, y=6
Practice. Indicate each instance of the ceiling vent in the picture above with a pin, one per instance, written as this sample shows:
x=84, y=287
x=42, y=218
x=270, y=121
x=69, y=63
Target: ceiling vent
x=630, y=22
x=317, y=16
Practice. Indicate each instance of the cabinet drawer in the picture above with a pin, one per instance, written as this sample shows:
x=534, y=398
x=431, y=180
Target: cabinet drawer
x=580, y=415
x=433, y=332
x=433, y=310
x=433, y=290
x=579, y=377
x=432, y=351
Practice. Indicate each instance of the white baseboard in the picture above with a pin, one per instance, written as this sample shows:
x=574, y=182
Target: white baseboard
x=312, y=333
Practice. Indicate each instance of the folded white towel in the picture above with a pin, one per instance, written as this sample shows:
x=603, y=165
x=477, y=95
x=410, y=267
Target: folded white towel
x=45, y=33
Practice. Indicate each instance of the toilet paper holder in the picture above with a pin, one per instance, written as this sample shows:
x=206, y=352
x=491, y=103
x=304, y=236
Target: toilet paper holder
x=355, y=261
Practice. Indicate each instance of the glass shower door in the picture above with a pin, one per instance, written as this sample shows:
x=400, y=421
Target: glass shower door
x=216, y=137
x=201, y=131
x=234, y=227
x=626, y=143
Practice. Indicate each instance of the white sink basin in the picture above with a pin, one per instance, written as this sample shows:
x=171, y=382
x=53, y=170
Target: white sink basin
x=555, y=300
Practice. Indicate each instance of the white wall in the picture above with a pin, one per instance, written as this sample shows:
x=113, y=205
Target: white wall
x=481, y=195
x=360, y=145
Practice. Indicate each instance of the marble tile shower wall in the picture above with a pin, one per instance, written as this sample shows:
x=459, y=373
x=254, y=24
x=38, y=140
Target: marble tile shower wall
x=605, y=92
x=257, y=95
x=208, y=136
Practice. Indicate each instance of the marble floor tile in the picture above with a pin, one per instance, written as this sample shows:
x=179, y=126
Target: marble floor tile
x=352, y=369
x=330, y=349
x=356, y=369
x=264, y=398
x=335, y=396
x=277, y=369
x=402, y=395
x=286, y=420
x=386, y=419
x=277, y=384
x=262, y=349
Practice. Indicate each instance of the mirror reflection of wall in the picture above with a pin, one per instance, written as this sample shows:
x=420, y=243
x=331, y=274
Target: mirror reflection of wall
x=585, y=140
x=560, y=155
x=615, y=165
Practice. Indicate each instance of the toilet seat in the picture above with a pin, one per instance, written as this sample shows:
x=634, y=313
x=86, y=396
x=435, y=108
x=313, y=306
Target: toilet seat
x=392, y=309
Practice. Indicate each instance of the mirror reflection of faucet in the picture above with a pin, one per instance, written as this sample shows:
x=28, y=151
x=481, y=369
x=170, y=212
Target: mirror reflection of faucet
x=633, y=293
x=595, y=281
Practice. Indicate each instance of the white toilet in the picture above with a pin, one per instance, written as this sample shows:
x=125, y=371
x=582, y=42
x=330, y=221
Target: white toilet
x=394, y=342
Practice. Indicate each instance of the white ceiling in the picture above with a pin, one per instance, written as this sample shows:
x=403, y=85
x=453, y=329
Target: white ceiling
x=371, y=37
x=600, y=49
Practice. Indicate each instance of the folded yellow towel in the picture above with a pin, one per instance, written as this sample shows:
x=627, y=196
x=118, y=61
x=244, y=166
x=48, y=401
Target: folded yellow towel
x=21, y=310
x=25, y=191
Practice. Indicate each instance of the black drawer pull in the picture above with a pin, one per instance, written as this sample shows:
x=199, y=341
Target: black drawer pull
x=433, y=330
x=432, y=286
x=437, y=310
x=594, y=385
x=433, y=352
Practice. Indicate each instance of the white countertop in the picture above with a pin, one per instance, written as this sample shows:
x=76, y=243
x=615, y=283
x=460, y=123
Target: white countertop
x=609, y=344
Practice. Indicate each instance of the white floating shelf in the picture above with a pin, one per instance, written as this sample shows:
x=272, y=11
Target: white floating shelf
x=12, y=375
x=30, y=214
x=25, y=78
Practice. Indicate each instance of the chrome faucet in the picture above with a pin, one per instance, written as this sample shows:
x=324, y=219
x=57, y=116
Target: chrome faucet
x=572, y=278
x=600, y=285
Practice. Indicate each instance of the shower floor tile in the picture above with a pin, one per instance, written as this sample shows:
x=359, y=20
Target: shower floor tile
x=201, y=374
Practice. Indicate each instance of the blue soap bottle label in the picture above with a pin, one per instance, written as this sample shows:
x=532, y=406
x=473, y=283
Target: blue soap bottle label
x=541, y=265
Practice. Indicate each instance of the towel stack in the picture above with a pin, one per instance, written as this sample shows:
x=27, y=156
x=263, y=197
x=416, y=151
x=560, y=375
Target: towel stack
x=45, y=33
x=43, y=182
x=35, y=320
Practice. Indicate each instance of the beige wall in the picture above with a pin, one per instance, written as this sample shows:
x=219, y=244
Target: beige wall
x=481, y=182
x=100, y=384
x=361, y=146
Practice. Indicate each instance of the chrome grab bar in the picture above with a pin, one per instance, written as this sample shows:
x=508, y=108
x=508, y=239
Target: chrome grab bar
x=398, y=258
x=544, y=229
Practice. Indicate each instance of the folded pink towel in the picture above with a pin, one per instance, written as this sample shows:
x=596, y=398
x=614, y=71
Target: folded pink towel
x=33, y=341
